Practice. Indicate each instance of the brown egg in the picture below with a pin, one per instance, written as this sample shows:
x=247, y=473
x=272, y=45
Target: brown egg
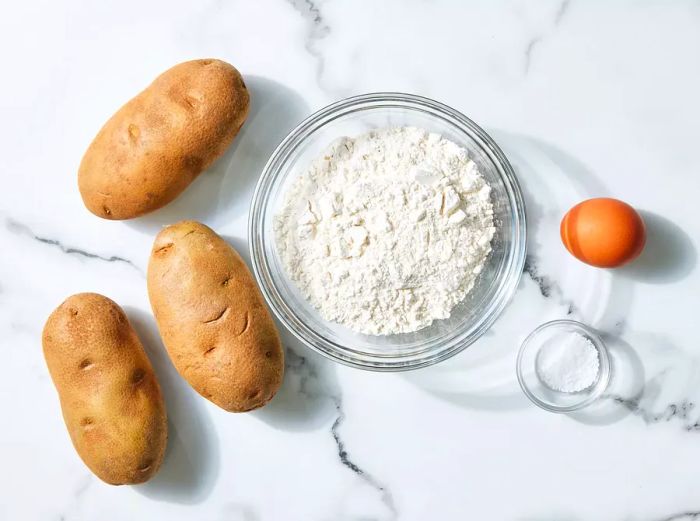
x=603, y=232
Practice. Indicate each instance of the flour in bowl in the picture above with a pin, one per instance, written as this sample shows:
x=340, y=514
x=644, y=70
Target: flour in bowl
x=388, y=231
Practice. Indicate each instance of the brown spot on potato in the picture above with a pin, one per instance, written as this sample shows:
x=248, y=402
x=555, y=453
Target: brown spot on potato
x=268, y=354
x=86, y=364
x=246, y=323
x=87, y=422
x=217, y=317
x=106, y=210
x=207, y=62
x=138, y=376
x=209, y=351
x=134, y=133
x=118, y=315
x=254, y=394
x=164, y=249
x=186, y=101
x=145, y=466
x=226, y=281
x=73, y=312
x=189, y=101
x=193, y=163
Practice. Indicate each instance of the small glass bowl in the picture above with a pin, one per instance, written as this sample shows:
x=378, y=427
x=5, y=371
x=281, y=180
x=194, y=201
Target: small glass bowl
x=469, y=319
x=538, y=392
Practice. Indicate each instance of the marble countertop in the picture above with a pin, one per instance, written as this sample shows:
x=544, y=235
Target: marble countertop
x=585, y=98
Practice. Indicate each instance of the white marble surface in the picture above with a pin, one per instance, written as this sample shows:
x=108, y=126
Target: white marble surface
x=586, y=99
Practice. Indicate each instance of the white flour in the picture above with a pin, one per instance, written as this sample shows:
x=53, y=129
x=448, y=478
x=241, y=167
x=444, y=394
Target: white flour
x=387, y=232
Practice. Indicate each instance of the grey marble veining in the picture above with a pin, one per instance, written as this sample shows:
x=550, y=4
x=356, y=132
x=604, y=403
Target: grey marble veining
x=18, y=228
x=317, y=29
x=311, y=386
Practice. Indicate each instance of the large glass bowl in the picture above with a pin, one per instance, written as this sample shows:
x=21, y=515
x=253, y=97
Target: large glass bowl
x=472, y=317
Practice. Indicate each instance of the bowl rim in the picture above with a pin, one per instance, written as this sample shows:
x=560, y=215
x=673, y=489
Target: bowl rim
x=603, y=377
x=285, y=314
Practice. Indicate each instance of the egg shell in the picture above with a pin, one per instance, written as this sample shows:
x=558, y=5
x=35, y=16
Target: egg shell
x=603, y=232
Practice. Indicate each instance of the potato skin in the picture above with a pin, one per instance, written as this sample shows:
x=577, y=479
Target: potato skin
x=212, y=318
x=110, y=398
x=153, y=147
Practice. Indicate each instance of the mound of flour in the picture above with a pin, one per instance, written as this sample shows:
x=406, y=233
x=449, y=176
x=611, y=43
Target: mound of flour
x=387, y=232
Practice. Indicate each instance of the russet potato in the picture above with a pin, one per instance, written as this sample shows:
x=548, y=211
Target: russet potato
x=110, y=398
x=212, y=318
x=152, y=148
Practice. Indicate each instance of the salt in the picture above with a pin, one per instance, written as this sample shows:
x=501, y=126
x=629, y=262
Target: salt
x=569, y=364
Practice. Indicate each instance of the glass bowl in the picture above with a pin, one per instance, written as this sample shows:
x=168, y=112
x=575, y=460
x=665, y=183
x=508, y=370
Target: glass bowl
x=538, y=392
x=472, y=317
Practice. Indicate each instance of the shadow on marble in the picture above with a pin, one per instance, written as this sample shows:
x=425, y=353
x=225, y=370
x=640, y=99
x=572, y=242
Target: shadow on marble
x=669, y=392
x=275, y=110
x=668, y=256
x=533, y=160
x=310, y=394
x=191, y=464
x=483, y=376
x=540, y=166
x=241, y=246
x=547, y=174
x=627, y=382
x=506, y=402
x=223, y=192
x=237, y=511
x=666, y=389
x=550, y=517
x=306, y=399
